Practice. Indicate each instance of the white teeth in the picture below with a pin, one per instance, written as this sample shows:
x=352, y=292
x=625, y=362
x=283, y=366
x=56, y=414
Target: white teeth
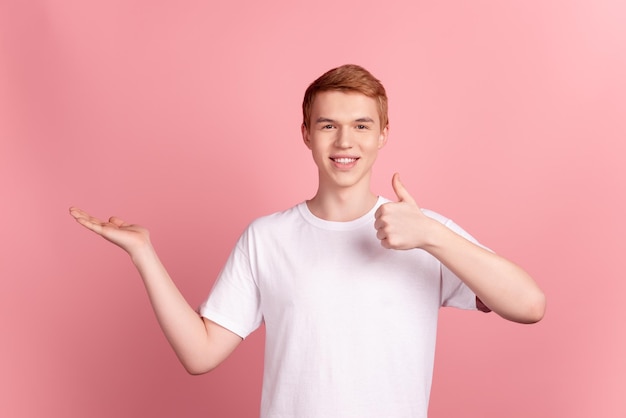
x=344, y=160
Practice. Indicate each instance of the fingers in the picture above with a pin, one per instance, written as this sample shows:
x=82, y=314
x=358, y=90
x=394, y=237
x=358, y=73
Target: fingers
x=381, y=234
x=92, y=223
x=82, y=216
x=394, y=221
x=401, y=192
x=76, y=212
x=381, y=226
x=117, y=221
x=126, y=236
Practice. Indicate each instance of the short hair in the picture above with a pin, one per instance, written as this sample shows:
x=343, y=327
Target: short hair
x=347, y=78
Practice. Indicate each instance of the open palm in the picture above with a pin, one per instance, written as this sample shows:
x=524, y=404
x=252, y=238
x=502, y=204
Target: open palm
x=127, y=236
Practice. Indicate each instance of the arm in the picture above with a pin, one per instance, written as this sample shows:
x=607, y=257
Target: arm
x=500, y=284
x=200, y=344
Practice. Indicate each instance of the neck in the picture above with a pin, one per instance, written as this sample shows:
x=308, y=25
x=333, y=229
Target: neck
x=341, y=206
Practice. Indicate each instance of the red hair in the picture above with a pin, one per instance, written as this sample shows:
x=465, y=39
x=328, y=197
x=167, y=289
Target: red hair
x=347, y=78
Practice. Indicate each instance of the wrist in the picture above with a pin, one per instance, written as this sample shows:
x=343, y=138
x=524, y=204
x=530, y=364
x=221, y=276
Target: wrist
x=436, y=236
x=141, y=253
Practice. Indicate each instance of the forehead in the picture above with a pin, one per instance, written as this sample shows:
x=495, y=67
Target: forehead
x=339, y=105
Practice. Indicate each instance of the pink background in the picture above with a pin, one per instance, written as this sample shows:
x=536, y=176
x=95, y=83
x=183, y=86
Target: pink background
x=507, y=116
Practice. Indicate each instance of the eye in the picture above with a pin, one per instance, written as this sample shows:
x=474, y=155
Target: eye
x=327, y=127
x=362, y=127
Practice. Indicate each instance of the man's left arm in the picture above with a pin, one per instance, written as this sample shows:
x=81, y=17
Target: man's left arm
x=498, y=283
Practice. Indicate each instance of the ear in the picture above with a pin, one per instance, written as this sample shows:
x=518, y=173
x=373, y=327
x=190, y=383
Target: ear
x=305, y=136
x=382, y=139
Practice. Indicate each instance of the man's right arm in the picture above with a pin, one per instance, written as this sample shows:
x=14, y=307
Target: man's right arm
x=200, y=344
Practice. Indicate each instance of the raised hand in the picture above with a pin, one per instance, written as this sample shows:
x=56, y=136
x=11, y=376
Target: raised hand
x=127, y=236
x=199, y=343
x=401, y=225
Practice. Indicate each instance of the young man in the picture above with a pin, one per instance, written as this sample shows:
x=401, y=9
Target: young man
x=347, y=283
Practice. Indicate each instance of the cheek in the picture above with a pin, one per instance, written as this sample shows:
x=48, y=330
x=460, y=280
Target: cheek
x=317, y=153
x=375, y=144
x=371, y=151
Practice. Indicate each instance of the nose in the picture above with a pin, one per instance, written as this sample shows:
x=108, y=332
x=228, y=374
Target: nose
x=343, y=138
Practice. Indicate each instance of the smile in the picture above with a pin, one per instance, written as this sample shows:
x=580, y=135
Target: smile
x=344, y=160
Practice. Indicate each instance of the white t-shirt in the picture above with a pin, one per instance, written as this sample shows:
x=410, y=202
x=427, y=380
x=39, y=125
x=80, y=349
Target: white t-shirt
x=350, y=325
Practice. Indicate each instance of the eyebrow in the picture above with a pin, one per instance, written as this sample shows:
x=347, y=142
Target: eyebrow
x=328, y=120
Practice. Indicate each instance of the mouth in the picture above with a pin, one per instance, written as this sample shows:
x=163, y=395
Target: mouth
x=344, y=160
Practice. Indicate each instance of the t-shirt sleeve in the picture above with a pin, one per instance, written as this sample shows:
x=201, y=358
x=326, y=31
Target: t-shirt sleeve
x=234, y=302
x=454, y=292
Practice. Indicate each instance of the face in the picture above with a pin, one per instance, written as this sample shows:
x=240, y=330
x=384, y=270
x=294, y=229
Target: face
x=344, y=137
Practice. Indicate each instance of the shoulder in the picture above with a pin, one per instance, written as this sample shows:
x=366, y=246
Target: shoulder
x=275, y=220
x=268, y=230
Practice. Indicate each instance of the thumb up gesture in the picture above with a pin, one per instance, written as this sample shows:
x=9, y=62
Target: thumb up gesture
x=401, y=225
